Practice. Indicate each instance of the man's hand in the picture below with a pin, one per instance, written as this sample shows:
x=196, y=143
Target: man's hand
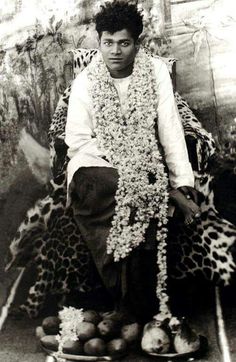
x=186, y=204
x=190, y=192
x=193, y=194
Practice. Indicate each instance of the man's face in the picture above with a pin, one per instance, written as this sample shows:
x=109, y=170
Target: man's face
x=118, y=50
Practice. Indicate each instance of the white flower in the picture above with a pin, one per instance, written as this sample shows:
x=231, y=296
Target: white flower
x=70, y=317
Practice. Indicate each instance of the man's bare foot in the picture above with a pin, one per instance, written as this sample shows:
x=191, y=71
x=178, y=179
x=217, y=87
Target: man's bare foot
x=188, y=207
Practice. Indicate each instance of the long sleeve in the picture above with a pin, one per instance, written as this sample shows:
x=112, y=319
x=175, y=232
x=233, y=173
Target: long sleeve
x=83, y=150
x=170, y=130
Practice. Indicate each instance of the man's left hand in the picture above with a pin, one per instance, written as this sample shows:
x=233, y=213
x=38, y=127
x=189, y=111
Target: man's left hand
x=191, y=192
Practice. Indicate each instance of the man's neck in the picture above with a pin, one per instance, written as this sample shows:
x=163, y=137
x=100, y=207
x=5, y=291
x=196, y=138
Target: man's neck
x=123, y=73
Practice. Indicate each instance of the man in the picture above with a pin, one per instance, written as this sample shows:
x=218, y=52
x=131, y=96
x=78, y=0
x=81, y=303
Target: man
x=122, y=118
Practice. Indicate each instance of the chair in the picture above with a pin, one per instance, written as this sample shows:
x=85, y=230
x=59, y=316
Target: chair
x=61, y=257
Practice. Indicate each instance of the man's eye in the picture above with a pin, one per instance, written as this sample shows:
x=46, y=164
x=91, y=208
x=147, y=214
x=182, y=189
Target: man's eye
x=107, y=43
x=125, y=44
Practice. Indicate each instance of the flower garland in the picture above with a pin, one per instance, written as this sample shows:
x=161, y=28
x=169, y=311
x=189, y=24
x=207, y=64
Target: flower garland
x=70, y=317
x=130, y=145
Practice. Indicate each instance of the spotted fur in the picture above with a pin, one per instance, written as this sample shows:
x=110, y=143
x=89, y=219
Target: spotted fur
x=204, y=247
x=49, y=238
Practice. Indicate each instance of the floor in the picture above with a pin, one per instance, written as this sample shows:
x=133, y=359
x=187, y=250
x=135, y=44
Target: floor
x=197, y=302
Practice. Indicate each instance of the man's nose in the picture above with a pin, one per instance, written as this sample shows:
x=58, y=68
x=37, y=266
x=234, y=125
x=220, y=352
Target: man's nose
x=116, y=49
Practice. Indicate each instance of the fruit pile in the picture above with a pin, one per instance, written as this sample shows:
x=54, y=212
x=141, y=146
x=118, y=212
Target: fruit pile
x=99, y=334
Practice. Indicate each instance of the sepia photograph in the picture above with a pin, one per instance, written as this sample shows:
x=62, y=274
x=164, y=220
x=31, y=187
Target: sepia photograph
x=117, y=180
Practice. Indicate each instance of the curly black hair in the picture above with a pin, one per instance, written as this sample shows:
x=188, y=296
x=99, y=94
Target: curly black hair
x=118, y=15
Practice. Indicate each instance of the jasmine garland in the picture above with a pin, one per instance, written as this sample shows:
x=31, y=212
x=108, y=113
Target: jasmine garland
x=130, y=145
x=70, y=317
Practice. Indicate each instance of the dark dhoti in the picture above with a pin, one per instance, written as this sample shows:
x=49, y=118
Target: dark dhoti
x=94, y=204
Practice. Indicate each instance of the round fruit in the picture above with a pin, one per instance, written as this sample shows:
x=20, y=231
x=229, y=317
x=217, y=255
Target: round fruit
x=73, y=347
x=39, y=332
x=95, y=347
x=49, y=342
x=92, y=316
x=155, y=339
x=131, y=332
x=116, y=346
x=108, y=328
x=85, y=331
x=51, y=325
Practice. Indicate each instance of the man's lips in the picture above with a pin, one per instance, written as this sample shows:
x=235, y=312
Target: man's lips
x=115, y=59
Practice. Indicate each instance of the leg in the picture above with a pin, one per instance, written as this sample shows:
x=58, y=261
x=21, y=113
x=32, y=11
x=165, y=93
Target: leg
x=141, y=299
x=95, y=188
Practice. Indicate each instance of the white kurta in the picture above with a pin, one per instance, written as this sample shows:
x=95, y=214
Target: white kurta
x=83, y=148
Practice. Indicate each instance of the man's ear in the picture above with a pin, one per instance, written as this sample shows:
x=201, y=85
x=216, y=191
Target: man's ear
x=98, y=40
x=137, y=45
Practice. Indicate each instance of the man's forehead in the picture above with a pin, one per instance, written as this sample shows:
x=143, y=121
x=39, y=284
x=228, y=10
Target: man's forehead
x=117, y=35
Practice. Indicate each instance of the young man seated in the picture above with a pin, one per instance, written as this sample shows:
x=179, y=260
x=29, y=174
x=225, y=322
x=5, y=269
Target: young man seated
x=123, y=127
